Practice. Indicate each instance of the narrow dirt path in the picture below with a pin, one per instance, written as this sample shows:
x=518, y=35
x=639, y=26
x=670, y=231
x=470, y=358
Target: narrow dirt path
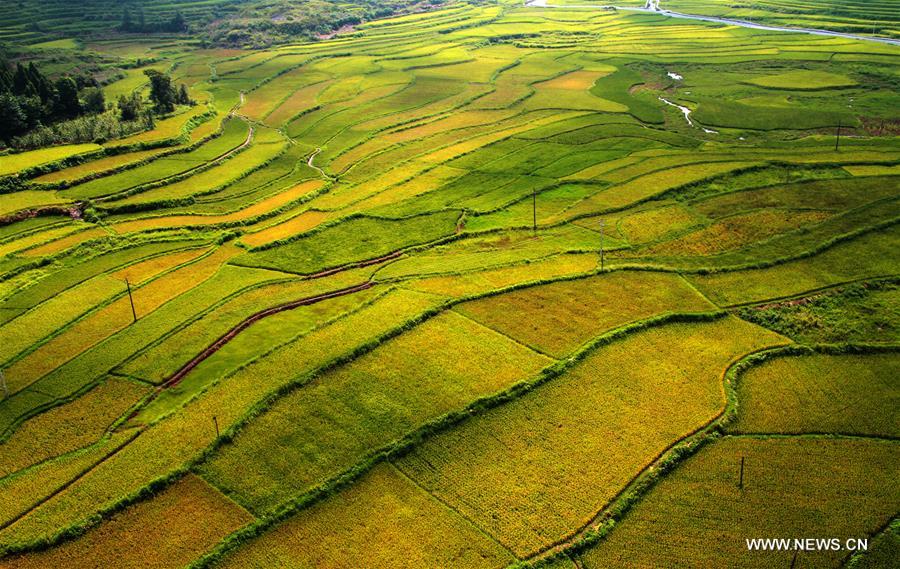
x=309, y=163
x=176, y=378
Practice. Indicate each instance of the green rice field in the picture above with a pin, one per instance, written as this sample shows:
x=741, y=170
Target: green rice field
x=492, y=285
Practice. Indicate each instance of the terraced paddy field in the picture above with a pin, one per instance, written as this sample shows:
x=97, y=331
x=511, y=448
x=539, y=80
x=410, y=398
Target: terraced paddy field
x=487, y=285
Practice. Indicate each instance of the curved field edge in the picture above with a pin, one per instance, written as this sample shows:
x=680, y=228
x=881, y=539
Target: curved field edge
x=391, y=450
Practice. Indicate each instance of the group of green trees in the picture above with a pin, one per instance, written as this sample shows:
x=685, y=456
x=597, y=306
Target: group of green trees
x=28, y=99
x=263, y=23
x=138, y=25
x=37, y=111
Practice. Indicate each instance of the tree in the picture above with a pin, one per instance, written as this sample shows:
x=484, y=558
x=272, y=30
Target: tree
x=126, y=25
x=94, y=101
x=13, y=120
x=129, y=107
x=67, y=103
x=183, y=97
x=22, y=82
x=177, y=24
x=162, y=93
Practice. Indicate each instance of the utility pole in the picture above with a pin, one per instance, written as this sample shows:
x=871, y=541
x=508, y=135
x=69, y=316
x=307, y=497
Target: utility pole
x=534, y=210
x=837, y=140
x=216, y=423
x=602, y=256
x=131, y=298
x=741, y=480
x=3, y=385
x=794, y=560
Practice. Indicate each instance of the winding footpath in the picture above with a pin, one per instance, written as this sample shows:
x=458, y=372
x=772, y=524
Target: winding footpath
x=652, y=7
x=309, y=163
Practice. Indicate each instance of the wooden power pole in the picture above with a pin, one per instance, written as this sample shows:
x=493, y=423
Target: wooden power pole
x=131, y=299
x=602, y=255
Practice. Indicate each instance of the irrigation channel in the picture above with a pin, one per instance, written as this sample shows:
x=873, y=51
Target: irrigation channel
x=653, y=7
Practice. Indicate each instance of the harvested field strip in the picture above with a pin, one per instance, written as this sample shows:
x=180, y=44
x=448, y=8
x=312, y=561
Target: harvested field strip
x=91, y=366
x=706, y=516
x=820, y=393
x=559, y=317
x=552, y=479
x=171, y=528
x=164, y=358
x=382, y=520
x=215, y=346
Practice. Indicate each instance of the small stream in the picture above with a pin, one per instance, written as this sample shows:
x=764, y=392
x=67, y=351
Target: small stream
x=654, y=7
x=687, y=116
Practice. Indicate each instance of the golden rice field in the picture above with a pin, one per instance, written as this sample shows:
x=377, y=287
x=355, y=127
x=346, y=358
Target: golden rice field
x=484, y=285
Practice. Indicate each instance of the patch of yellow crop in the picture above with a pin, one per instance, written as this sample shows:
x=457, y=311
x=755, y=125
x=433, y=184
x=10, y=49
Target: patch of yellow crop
x=537, y=469
x=294, y=226
x=89, y=232
x=144, y=270
x=383, y=520
x=20, y=493
x=12, y=163
x=653, y=224
x=737, y=231
x=697, y=516
x=454, y=150
x=873, y=170
x=265, y=206
x=575, y=80
x=556, y=318
x=368, y=404
x=853, y=394
x=169, y=529
x=112, y=318
x=68, y=427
